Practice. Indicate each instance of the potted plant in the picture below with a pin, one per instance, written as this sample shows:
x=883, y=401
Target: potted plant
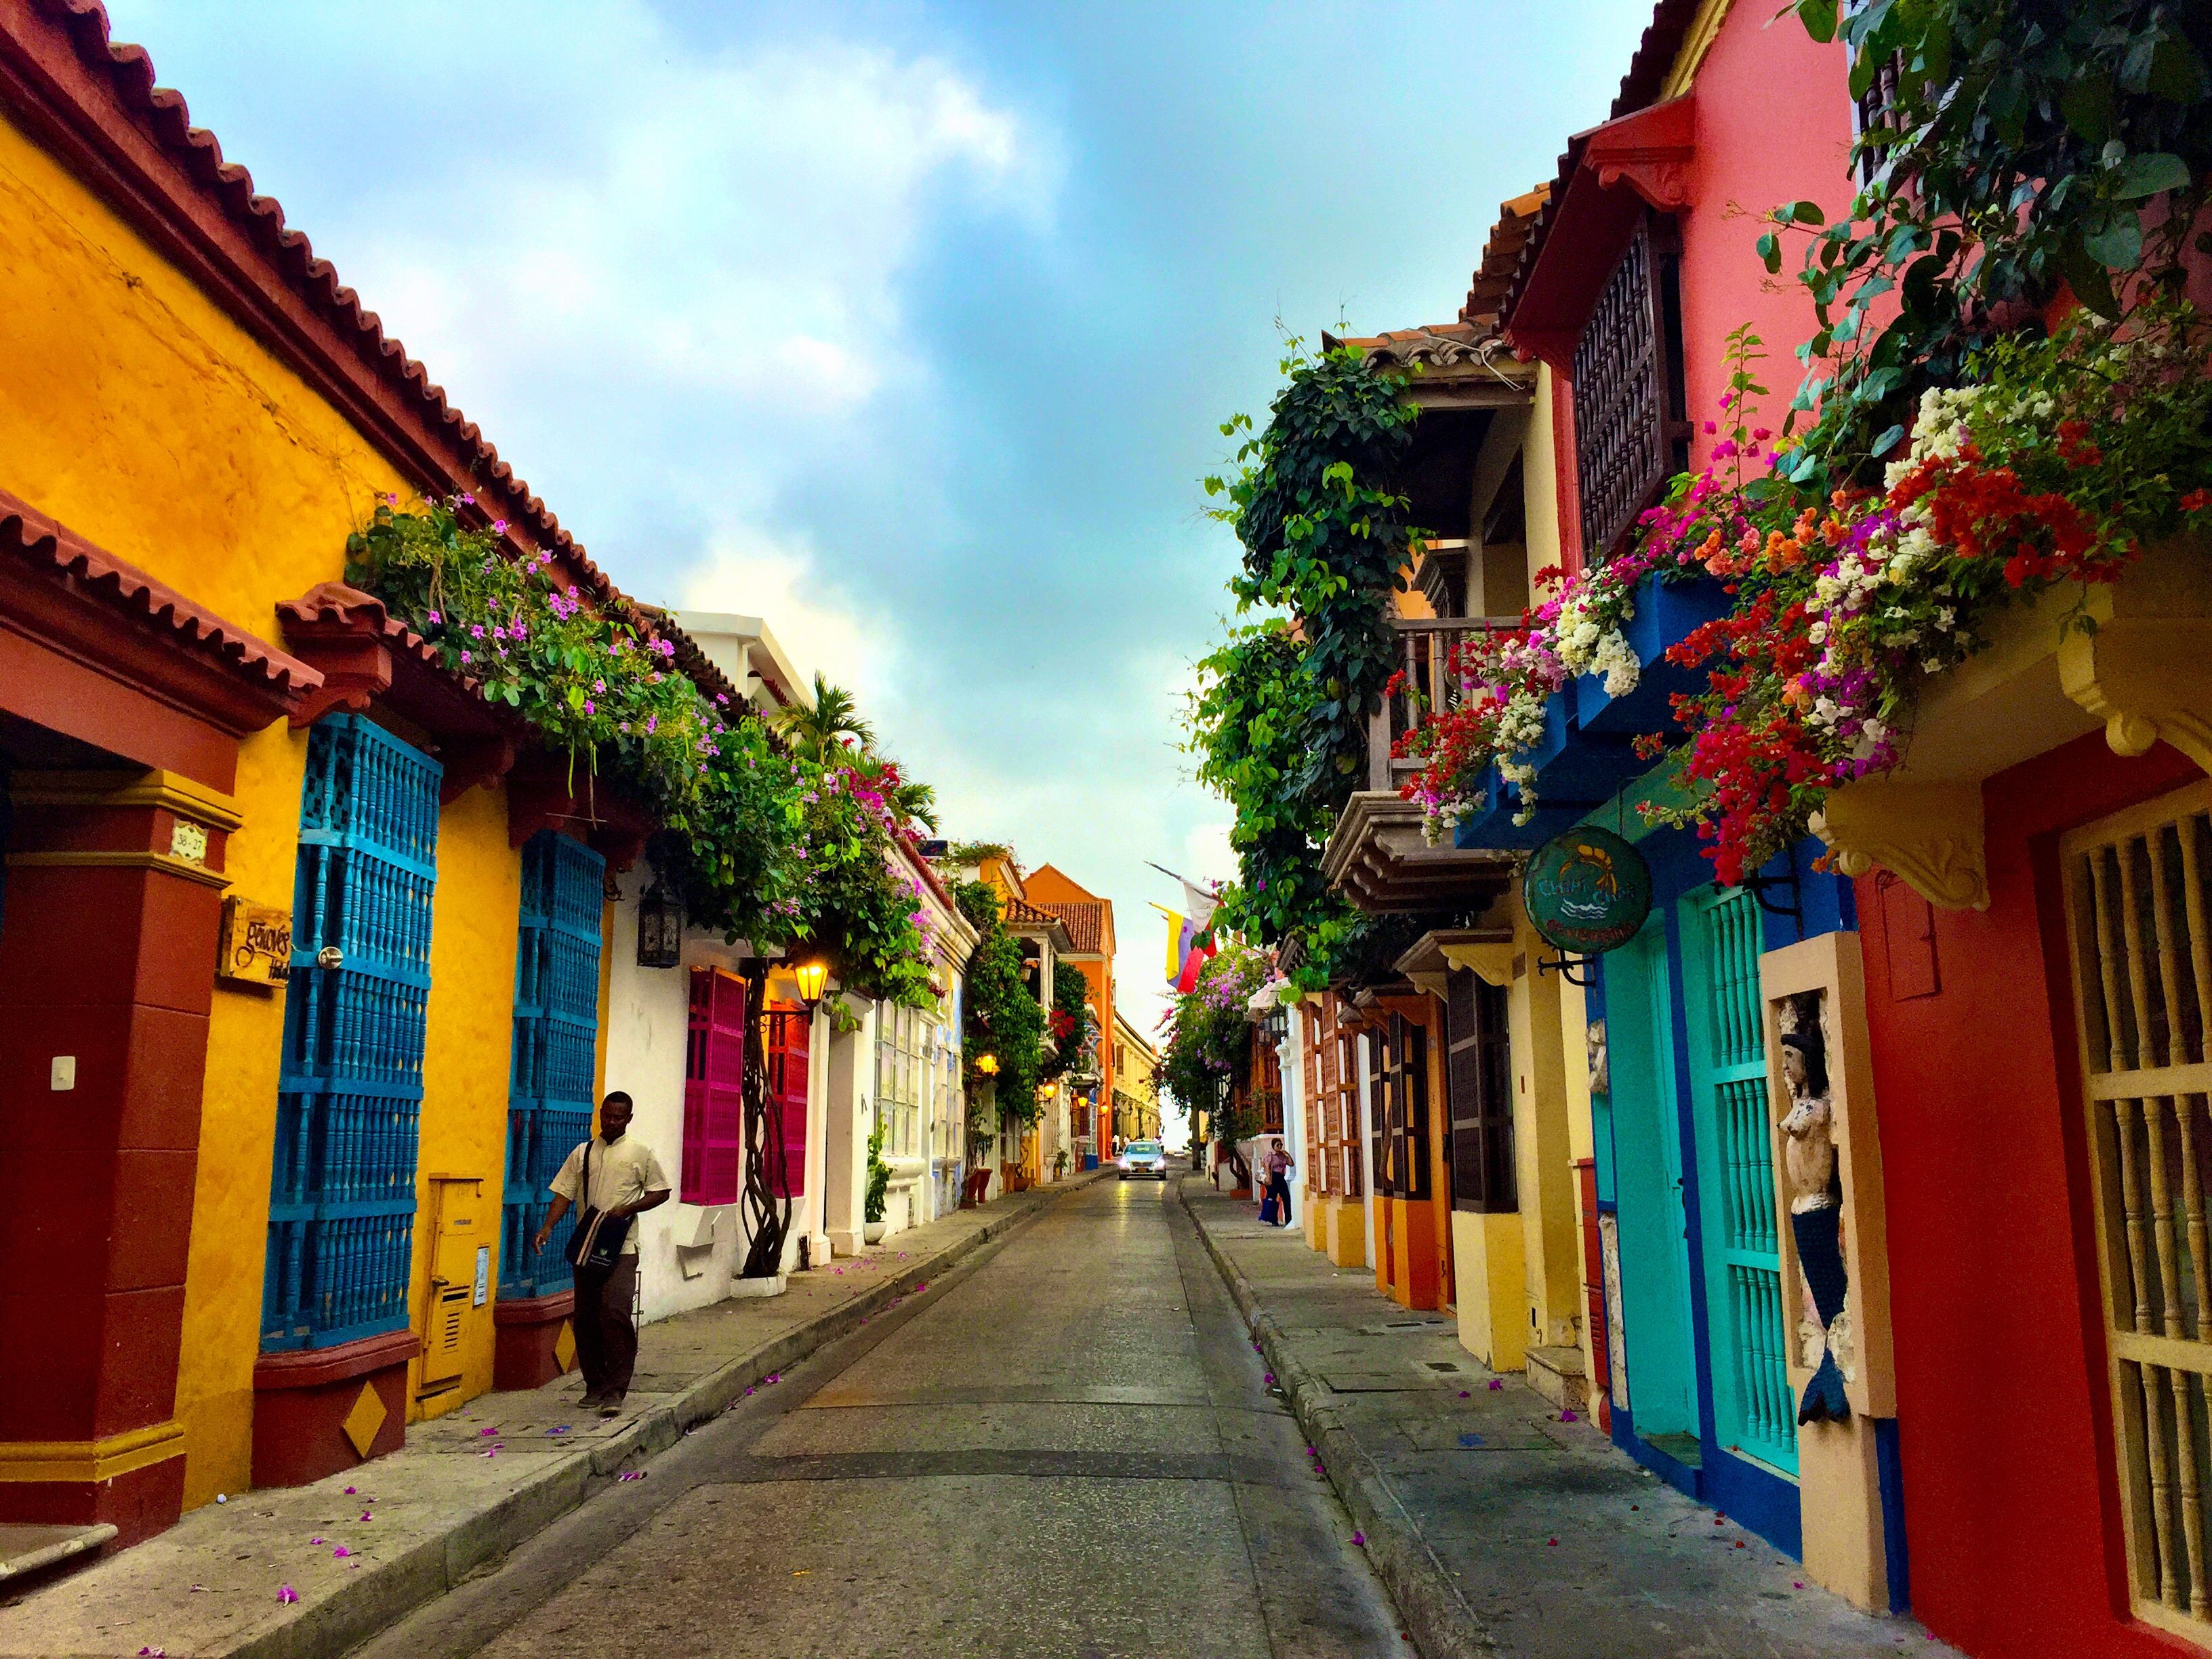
x=879, y=1182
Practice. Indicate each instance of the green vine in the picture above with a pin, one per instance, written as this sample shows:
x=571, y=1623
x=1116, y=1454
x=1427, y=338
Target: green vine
x=1069, y=1022
x=1004, y=1023
x=2030, y=146
x=1278, y=722
x=796, y=848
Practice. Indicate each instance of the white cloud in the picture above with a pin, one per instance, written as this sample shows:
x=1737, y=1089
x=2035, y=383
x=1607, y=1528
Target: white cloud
x=692, y=249
x=819, y=626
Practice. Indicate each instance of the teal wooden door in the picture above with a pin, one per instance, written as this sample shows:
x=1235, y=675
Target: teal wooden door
x=1753, y=1411
x=1647, y=1169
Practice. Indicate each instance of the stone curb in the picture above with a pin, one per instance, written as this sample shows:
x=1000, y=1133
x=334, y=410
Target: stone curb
x=1439, y=1619
x=381, y=1597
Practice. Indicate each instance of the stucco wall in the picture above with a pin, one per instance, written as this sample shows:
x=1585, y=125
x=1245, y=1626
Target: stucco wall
x=646, y=1034
x=141, y=416
x=468, y=1051
x=2011, y=1507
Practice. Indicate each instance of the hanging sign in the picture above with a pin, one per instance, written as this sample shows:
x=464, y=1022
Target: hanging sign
x=1587, y=891
x=257, y=942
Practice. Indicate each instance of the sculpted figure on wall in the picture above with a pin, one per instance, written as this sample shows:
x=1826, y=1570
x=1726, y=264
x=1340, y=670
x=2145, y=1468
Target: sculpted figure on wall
x=1814, y=1185
x=1600, y=1071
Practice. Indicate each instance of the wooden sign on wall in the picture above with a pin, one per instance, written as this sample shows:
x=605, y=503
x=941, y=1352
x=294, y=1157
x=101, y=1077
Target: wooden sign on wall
x=257, y=944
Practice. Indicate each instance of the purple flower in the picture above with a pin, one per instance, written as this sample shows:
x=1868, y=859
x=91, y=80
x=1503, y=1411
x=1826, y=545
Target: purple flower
x=435, y=619
x=499, y=527
x=590, y=708
x=465, y=656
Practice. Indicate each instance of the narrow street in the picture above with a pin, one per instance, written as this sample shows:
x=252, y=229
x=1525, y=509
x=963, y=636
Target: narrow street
x=1022, y=1459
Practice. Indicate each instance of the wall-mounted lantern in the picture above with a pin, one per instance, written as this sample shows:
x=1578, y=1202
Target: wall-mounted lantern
x=812, y=977
x=659, y=928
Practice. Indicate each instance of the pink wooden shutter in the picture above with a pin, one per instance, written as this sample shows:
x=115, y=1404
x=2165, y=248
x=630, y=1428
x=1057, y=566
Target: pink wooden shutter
x=714, y=1088
x=788, y=1044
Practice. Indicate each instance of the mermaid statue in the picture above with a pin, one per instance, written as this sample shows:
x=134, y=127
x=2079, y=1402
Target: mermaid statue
x=1816, y=1206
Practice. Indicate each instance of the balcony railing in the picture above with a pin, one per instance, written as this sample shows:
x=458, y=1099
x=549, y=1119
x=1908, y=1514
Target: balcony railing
x=1426, y=648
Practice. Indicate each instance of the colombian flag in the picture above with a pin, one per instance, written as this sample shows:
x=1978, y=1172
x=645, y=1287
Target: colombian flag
x=1188, y=946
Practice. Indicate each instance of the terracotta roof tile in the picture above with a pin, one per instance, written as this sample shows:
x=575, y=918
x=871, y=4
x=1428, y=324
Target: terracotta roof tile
x=1647, y=74
x=474, y=463
x=29, y=534
x=1086, y=919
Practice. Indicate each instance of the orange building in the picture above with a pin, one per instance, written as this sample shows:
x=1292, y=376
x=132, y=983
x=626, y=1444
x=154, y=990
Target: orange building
x=1088, y=920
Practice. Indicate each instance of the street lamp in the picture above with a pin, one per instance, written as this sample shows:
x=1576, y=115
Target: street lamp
x=660, y=927
x=812, y=977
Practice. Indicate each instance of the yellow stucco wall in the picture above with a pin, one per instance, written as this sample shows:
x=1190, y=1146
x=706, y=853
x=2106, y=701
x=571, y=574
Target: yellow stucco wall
x=1540, y=476
x=138, y=414
x=468, y=1044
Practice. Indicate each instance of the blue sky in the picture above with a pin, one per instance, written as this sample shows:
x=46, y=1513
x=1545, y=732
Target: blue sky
x=908, y=326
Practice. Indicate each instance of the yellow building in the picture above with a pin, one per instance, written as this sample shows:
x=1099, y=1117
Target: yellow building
x=274, y=1207
x=1136, y=1084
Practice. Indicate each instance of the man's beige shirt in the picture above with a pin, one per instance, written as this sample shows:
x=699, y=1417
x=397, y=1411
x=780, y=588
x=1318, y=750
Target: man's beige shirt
x=621, y=1174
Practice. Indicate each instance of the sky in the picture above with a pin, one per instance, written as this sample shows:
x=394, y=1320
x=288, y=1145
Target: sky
x=910, y=327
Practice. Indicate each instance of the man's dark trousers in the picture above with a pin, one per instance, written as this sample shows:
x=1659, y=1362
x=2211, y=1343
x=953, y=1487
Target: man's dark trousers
x=606, y=1336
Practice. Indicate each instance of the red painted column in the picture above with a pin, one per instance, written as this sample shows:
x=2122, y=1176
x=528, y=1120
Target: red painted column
x=107, y=948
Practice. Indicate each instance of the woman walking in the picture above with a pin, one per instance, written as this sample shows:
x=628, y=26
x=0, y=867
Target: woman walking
x=1279, y=1167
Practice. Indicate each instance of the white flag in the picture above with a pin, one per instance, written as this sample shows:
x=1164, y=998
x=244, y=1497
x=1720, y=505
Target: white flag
x=1199, y=905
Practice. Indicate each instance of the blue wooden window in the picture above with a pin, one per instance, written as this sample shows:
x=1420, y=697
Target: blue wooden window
x=349, y=1090
x=556, y=1030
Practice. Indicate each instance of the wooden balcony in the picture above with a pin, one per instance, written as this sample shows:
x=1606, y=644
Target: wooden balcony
x=1425, y=651
x=1378, y=858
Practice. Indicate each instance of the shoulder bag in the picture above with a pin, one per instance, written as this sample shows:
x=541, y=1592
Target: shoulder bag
x=596, y=1245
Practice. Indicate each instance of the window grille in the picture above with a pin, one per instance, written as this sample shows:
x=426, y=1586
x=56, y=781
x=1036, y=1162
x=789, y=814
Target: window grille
x=349, y=1086
x=555, y=1057
x=1631, y=429
x=1754, y=1410
x=1348, y=1140
x=1309, y=1066
x=714, y=1090
x=1478, y=1086
x=2143, y=979
x=1875, y=111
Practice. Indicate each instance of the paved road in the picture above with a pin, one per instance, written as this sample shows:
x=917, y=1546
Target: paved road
x=1067, y=1448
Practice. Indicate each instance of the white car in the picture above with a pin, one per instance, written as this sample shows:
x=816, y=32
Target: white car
x=1142, y=1157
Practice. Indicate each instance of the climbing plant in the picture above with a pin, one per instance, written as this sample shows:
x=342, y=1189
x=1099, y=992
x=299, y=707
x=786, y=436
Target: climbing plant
x=1069, y=1024
x=1278, y=721
x=1003, y=1036
x=2024, y=147
x=792, y=844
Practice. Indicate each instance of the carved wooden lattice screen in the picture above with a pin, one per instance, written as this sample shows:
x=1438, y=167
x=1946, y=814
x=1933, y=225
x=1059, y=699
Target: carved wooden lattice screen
x=2142, y=980
x=1630, y=431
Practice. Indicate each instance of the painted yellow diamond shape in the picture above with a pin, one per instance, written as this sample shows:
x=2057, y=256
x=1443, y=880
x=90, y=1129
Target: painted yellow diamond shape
x=365, y=1420
x=564, y=1348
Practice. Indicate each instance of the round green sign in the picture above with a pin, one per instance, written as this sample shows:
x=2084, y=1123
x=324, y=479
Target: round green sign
x=1587, y=891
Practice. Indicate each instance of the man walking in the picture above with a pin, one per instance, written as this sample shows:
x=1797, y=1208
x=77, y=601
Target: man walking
x=625, y=1181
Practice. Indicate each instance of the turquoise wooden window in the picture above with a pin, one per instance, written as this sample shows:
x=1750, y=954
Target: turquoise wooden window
x=1753, y=1410
x=556, y=1030
x=349, y=1088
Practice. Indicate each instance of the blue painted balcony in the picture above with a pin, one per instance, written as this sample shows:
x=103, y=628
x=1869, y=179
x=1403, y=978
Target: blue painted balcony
x=1666, y=614
x=1574, y=769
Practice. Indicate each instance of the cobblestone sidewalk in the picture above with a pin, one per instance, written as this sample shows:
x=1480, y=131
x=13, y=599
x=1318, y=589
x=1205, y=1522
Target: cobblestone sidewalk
x=1499, y=1529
